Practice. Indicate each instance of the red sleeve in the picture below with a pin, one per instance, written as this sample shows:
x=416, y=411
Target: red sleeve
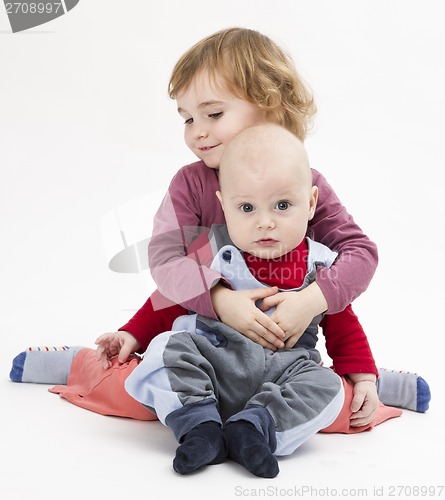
x=347, y=344
x=355, y=266
x=154, y=317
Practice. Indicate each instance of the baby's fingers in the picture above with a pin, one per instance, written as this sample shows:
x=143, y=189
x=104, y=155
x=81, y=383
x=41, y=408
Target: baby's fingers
x=273, y=331
x=265, y=335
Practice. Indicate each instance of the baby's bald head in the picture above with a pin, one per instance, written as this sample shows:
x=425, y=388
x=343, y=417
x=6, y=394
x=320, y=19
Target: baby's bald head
x=265, y=150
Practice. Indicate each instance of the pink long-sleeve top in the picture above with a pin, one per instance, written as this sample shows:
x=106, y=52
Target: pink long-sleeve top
x=191, y=206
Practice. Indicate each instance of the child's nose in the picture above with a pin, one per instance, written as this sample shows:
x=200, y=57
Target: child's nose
x=200, y=132
x=265, y=221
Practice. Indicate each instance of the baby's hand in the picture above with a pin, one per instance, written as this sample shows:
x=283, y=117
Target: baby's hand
x=116, y=343
x=295, y=311
x=290, y=315
x=365, y=401
x=238, y=310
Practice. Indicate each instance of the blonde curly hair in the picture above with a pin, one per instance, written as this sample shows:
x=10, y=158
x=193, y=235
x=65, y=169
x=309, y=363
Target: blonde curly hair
x=252, y=67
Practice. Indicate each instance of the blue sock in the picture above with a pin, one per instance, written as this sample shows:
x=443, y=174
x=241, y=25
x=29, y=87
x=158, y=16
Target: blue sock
x=251, y=439
x=204, y=445
x=403, y=389
x=249, y=448
x=43, y=365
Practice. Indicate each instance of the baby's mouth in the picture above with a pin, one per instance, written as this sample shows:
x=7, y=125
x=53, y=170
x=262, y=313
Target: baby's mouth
x=266, y=242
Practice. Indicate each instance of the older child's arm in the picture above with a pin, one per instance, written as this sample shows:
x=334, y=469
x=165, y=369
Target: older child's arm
x=154, y=317
x=189, y=208
x=347, y=344
x=348, y=347
x=357, y=261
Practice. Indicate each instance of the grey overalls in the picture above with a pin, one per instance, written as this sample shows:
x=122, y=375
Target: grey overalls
x=204, y=370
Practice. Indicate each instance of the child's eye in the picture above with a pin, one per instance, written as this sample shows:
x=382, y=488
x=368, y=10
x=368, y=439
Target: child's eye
x=247, y=207
x=215, y=116
x=188, y=121
x=282, y=205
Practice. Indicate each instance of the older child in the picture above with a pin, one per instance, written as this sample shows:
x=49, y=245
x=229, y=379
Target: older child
x=220, y=393
x=225, y=83
x=229, y=81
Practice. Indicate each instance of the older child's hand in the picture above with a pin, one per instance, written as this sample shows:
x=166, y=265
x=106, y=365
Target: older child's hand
x=238, y=310
x=117, y=343
x=365, y=401
x=295, y=311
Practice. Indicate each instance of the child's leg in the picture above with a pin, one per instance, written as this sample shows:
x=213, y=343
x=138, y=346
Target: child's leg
x=403, y=389
x=183, y=376
x=297, y=399
x=173, y=365
x=43, y=365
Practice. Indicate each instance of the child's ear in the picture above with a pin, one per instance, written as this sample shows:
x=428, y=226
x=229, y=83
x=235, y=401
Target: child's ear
x=313, y=202
x=218, y=194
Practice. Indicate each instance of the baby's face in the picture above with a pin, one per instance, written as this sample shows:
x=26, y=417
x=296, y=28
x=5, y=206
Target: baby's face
x=267, y=209
x=213, y=117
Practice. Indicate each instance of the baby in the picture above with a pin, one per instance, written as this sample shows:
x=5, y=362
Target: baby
x=220, y=393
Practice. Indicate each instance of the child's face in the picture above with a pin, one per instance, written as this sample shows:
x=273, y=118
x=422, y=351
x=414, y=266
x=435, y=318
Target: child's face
x=213, y=117
x=267, y=211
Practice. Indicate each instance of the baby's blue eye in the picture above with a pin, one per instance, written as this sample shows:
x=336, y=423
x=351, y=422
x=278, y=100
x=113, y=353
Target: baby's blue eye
x=215, y=116
x=282, y=205
x=189, y=121
x=247, y=207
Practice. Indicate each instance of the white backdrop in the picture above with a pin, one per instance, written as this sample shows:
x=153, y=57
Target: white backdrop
x=86, y=126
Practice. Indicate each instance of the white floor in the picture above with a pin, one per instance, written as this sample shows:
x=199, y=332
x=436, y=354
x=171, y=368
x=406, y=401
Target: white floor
x=52, y=449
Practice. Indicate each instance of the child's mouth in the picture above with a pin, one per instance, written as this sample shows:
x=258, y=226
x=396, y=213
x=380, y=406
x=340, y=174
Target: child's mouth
x=207, y=148
x=266, y=242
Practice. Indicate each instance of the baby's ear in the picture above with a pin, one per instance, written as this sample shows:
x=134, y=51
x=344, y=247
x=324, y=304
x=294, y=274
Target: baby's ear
x=313, y=202
x=218, y=194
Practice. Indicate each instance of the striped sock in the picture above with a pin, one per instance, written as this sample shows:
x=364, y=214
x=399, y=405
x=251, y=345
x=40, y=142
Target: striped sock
x=403, y=389
x=48, y=348
x=43, y=365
